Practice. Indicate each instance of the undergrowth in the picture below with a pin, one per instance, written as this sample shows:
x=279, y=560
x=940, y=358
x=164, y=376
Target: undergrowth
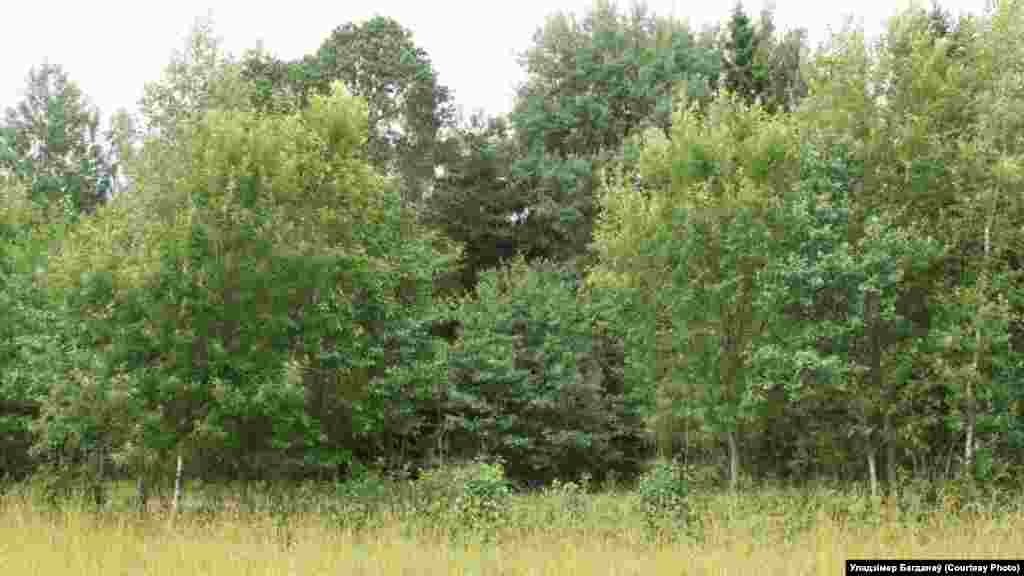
x=468, y=516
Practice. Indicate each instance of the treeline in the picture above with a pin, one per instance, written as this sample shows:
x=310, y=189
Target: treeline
x=716, y=244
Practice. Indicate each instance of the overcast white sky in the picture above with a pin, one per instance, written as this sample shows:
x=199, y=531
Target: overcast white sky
x=112, y=47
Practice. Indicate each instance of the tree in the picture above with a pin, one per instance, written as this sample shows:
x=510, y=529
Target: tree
x=29, y=230
x=51, y=141
x=786, y=83
x=199, y=78
x=919, y=116
x=19, y=404
x=378, y=61
x=530, y=382
x=124, y=138
x=761, y=66
x=992, y=216
x=690, y=251
x=591, y=84
x=475, y=201
x=847, y=334
x=247, y=313
x=53, y=169
x=746, y=74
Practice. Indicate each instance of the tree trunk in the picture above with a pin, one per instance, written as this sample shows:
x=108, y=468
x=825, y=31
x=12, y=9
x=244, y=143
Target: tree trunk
x=872, y=472
x=947, y=475
x=971, y=418
x=890, y=452
x=972, y=408
x=734, y=461
x=143, y=493
x=177, y=485
x=872, y=313
x=98, y=488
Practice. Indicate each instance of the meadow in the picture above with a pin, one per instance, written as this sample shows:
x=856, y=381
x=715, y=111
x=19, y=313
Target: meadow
x=393, y=528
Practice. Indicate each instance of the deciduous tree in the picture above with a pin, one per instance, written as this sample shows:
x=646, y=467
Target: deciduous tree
x=51, y=141
x=592, y=83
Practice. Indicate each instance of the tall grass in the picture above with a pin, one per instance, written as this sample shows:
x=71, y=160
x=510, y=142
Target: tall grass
x=562, y=531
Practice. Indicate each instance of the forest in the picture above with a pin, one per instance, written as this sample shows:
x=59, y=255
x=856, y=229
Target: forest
x=715, y=258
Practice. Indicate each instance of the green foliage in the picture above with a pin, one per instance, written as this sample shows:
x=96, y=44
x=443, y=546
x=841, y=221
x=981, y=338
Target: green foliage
x=741, y=239
x=592, y=84
x=662, y=495
x=27, y=230
x=362, y=501
x=470, y=499
x=528, y=383
x=568, y=501
x=378, y=61
x=745, y=75
x=278, y=87
x=51, y=142
x=847, y=290
x=475, y=201
x=918, y=116
x=276, y=269
x=688, y=253
x=817, y=266
x=762, y=67
x=124, y=137
x=199, y=78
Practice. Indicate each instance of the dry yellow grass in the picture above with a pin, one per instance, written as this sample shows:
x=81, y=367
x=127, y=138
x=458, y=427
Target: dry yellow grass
x=736, y=541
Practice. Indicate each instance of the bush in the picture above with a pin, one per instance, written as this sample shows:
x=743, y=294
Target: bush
x=361, y=502
x=536, y=381
x=465, y=499
x=662, y=495
x=571, y=500
x=66, y=486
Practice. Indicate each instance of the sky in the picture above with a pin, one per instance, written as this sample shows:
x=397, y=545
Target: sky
x=111, y=48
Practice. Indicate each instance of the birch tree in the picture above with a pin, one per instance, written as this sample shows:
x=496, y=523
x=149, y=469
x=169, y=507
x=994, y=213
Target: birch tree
x=692, y=251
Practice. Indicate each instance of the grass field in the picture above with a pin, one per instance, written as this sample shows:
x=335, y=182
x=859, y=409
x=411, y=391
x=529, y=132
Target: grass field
x=558, y=533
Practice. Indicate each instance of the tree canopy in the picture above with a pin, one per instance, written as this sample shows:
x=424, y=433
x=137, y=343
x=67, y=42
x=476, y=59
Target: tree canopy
x=778, y=263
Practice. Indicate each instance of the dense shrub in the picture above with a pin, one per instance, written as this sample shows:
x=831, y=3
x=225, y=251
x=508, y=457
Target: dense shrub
x=534, y=381
x=662, y=498
x=468, y=499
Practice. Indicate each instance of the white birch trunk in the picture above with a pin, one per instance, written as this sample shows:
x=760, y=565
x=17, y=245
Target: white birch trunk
x=972, y=408
x=177, y=485
x=734, y=461
x=873, y=473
